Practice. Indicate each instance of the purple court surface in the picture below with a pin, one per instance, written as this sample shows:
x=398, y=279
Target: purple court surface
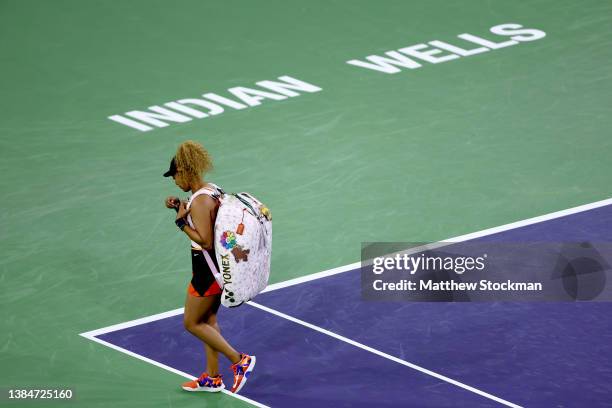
x=416, y=354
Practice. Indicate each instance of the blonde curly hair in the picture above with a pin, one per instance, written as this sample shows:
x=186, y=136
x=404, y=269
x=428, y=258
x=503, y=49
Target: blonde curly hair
x=193, y=160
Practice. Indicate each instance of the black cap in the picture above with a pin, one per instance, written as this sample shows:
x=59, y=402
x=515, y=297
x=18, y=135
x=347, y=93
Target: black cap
x=172, y=170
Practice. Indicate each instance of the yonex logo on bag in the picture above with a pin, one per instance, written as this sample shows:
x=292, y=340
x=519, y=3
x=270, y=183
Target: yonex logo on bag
x=230, y=296
x=225, y=263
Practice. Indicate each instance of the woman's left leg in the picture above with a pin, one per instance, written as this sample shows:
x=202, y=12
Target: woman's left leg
x=197, y=308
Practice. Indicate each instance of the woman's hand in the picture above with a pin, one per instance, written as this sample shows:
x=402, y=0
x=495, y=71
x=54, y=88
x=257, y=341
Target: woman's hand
x=172, y=202
x=182, y=210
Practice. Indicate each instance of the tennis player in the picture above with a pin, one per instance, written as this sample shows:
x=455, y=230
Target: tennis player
x=196, y=218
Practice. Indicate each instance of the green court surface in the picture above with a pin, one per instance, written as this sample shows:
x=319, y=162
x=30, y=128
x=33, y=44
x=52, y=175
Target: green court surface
x=420, y=155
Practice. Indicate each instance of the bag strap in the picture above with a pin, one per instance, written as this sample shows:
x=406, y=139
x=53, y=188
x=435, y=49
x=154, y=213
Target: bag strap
x=252, y=198
x=213, y=268
x=208, y=191
x=247, y=204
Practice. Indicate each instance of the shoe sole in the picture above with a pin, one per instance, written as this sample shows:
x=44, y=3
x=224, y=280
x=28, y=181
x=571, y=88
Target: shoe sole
x=246, y=375
x=204, y=389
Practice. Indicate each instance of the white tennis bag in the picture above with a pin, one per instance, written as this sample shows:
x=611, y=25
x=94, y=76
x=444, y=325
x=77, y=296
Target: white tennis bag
x=243, y=247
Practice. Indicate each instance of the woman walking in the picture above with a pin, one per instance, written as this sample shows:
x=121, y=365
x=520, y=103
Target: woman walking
x=196, y=218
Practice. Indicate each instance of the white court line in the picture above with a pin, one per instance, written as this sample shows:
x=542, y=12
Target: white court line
x=346, y=268
x=132, y=323
x=165, y=367
x=385, y=355
x=291, y=282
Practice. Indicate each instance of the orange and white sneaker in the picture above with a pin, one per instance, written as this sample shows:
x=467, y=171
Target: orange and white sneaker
x=242, y=370
x=205, y=383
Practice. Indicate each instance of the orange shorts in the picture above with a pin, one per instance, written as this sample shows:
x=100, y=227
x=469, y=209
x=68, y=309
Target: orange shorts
x=213, y=290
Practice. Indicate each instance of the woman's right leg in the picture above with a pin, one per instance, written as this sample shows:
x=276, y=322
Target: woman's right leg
x=197, y=311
